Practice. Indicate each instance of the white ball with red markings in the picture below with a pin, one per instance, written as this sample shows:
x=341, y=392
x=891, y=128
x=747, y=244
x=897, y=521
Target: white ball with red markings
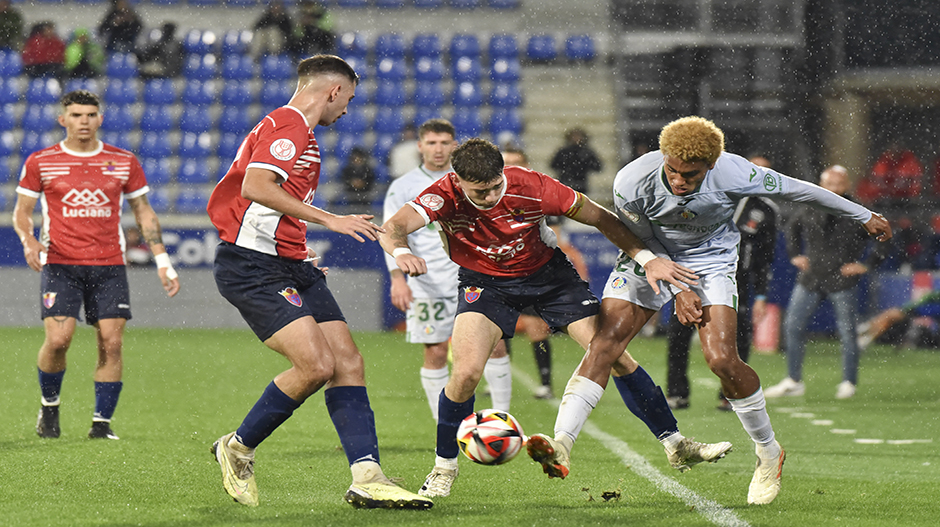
x=490, y=437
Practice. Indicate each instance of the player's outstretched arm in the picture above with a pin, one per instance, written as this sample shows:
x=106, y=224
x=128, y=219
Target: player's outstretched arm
x=23, y=225
x=878, y=227
x=394, y=240
x=150, y=230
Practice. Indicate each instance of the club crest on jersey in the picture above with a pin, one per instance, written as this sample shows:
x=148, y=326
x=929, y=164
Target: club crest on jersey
x=687, y=214
x=283, y=149
x=472, y=294
x=292, y=296
x=432, y=201
x=518, y=215
x=108, y=167
x=48, y=300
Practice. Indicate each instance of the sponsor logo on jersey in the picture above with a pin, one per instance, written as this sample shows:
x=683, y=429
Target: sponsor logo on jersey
x=86, y=203
x=687, y=214
x=770, y=183
x=283, y=149
x=48, y=300
x=618, y=283
x=432, y=201
x=472, y=294
x=429, y=329
x=292, y=296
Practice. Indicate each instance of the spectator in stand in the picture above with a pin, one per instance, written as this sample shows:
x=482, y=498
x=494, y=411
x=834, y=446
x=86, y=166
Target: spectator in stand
x=358, y=177
x=576, y=160
x=162, y=55
x=894, y=180
x=84, y=57
x=272, y=31
x=11, y=26
x=314, y=33
x=120, y=27
x=404, y=156
x=44, y=51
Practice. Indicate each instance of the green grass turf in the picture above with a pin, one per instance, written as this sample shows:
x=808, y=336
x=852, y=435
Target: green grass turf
x=185, y=388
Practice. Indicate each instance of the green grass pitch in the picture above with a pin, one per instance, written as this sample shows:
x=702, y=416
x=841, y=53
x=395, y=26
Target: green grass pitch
x=868, y=461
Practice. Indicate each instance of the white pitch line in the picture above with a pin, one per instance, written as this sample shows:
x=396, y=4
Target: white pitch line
x=712, y=511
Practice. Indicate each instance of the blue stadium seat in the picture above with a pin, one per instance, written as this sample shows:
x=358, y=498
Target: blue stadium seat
x=156, y=118
x=119, y=139
x=423, y=113
x=351, y=44
x=503, y=46
x=382, y=146
x=389, y=4
x=157, y=170
x=4, y=174
x=391, y=69
x=505, y=95
x=11, y=64
x=502, y=4
x=352, y=4
x=122, y=91
x=429, y=4
x=194, y=146
x=467, y=94
x=236, y=93
x=201, y=67
x=388, y=121
x=191, y=200
x=506, y=70
x=33, y=141
x=154, y=144
x=389, y=93
x=159, y=199
x=228, y=146
x=504, y=120
x=198, y=93
x=389, y=45
x=192, y=172
x=429, y=69
x=464, y=4
x=276, y=68
x=429, y=94
x=43, y=91
x=159, y=91
x=580, y=48
x=344, y=144
x=464, y=45
x=354, y=122
x=238, y=67
x=195, y=119
x=199, y=42
x=166, y=2
x=426, y=45
x=541, y=48
x=91, y=85
x=466, y=69
x=236, y=41
x=204, y=3
x=467, y=122
x=360, y=66
x=121, y=66
x=7, y=119
x=276, y=94
x=118, y=118
x=234, y=120
x=7, y=146
x=224, y=165
x=10, y=90
x=39, y=118
x=381, y=177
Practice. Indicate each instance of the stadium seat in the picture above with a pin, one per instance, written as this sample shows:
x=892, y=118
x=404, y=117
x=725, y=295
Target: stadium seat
x=39, y=118
x=276, y=68
x=276, y=94
x=467, y=122
x=580, y=48
x=502, y=4
x=199, y=42
x=429, y=4
x=344, y=145
x=157, y=170
x=464, y=45
x=506, y=70
x=122, y=91
x=467, y=94
x=43, y=91
x=10, y=90
x=198, y=93
x=389, y=45
x=426, y=45
x=191, y=200
x=360, y=66
x=228, y=146
x=234, y=120
x=156, y=118
x=505, y=95
x=4, y=174
x=193, y=172
x=541, y=48
x=154, y=144
x=159, y=199
x=352, y=4
x=194, y=146
x=7, y=119
x=389, y=93
x=238, y=67
x=423, y=113
x=195, y=119
x=204, y=3
x=166, y=2
x=118, y=118
x=464, y=4
x=354, y=122
x=382, y=146
x=119, y=139
x=429, y=94
x=121, y=66
x=200, y=67
x=391, y=69
x=236, y=93
x=11, y=64
x=224, y=165
x=503, y=46
x=91, y=85
x=159, y=91
x=466, y=69
x=236, y=41
x=390, y=4
x=505, y=120
x=352, y=44
x=429, y=69
x=388, y=121
x=7, y=145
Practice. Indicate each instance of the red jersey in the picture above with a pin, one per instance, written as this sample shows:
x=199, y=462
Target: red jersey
x=282, y=143
x=81, y=195
x=507, y=239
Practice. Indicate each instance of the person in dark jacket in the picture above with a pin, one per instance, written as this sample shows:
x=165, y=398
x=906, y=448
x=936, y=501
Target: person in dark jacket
x=574, y=161
x=828, y=252
x=120, y=27
x=272, y=30
x=162, y=56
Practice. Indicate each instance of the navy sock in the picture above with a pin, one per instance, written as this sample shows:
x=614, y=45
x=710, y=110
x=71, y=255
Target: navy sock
x=543, y=359
x=272, y=409
x=106, y=399
x=50, y=384
x=354, y=422
x=450, y=414
x=646, y=401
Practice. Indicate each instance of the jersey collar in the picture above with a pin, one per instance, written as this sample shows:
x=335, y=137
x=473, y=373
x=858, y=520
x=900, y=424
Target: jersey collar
x=76, y=153
x=435, y=175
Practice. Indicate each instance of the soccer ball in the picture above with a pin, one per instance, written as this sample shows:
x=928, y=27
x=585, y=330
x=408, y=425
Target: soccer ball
x=490, y=437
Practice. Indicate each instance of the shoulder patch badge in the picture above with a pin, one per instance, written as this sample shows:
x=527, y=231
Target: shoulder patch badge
x=283, y=149
x=432, y=201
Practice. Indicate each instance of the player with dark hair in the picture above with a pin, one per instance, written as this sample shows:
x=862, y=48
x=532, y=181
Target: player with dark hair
x=492, y=218
x=83, y=183
x=680, y=201
x=263, y=267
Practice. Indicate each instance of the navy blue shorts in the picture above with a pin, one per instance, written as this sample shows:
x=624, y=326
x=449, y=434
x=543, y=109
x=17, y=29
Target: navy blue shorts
x=102, y=288
x=270, y=292
x=556, y=292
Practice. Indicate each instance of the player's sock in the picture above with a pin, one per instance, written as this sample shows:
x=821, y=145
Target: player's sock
x=646, y=400
x=752, y=412
x=354, y=422
x=106, y=399
x=450, y=416
x=50, y=386
x=580, y=398
x=272, y=409
x=543, y=359
x=498, y=374
x=433, y=381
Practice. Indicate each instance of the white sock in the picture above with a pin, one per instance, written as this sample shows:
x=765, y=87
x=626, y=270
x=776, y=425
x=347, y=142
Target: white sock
x=366, y=472
x=49, y=402
x=433, y=381
x=671, y=441
x=449, y=463
x=498, y=374
x=580, y=398
x=752, y=412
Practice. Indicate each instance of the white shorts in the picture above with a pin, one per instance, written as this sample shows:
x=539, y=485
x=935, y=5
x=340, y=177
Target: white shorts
x=430, y=320
x=628, y=282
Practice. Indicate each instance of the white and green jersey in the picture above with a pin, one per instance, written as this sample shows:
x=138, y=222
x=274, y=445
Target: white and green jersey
x=441, y=278
x=697, y=230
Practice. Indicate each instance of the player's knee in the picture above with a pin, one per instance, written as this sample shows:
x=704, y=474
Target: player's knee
x=723, y=366
x=57, y=344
